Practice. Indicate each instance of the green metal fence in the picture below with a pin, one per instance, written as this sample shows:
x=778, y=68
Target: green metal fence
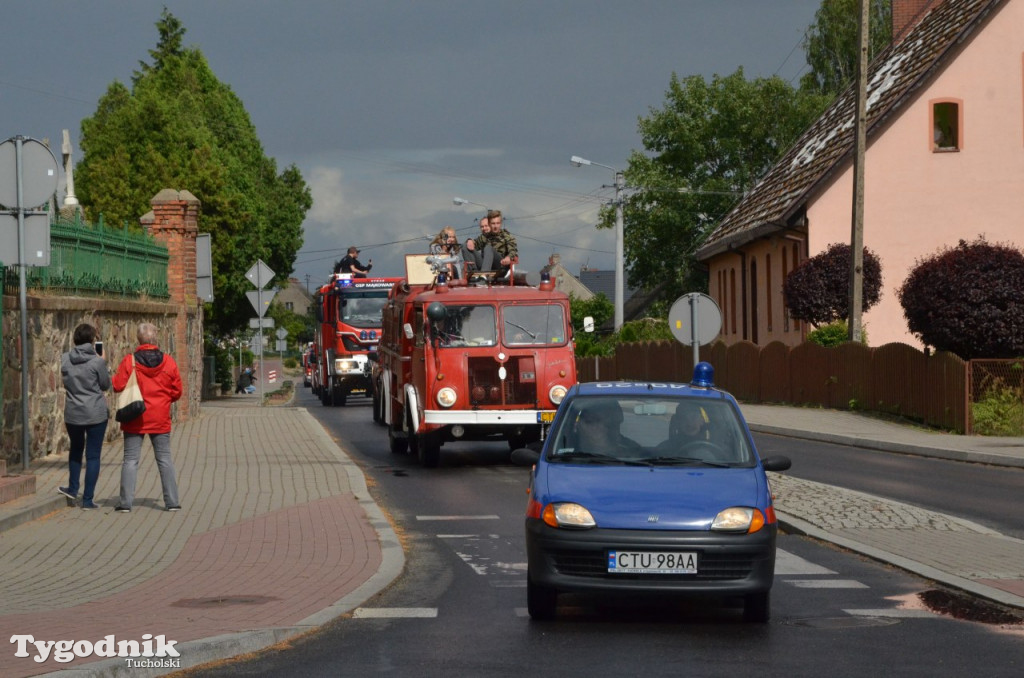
x=90, y=260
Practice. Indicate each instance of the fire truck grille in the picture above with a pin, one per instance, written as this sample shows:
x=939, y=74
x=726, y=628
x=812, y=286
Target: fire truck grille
x=486, y=388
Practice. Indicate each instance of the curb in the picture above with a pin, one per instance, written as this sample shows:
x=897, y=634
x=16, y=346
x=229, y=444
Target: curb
x=887, y=446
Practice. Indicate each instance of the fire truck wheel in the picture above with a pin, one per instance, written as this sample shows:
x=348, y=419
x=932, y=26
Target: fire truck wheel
x=325, y=396
x=339, y=395
x=429, y=450
x=399, y=444
x=376, y=405
x=414, y=441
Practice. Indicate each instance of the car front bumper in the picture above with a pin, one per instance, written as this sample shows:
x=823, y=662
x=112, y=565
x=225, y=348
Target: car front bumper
x=577, y=560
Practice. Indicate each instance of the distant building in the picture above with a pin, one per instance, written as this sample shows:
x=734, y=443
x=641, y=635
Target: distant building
x=294, y=297
x=564, y=280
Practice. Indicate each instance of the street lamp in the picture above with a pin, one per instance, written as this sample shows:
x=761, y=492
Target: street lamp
x=462, y=201
x=620, y=184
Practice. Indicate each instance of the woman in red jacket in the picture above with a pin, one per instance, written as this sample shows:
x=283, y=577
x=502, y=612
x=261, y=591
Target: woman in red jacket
x=160, y=383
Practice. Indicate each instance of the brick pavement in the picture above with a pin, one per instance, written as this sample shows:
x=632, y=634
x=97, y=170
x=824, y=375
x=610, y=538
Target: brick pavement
x=277, y=527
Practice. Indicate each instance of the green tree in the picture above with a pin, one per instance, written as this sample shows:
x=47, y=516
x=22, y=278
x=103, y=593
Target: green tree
x=831, y=43
x=709, y=142
x=601, y=310
x=179, y=127
x=299, y=326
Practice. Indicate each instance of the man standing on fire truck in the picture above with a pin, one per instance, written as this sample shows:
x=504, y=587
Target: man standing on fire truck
x=349, y=264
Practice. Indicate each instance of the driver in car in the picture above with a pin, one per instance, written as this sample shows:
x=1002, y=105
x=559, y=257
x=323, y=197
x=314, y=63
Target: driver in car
x=688, y=425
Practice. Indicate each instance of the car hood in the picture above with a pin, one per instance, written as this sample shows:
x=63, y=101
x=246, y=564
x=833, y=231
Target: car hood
x=627, y=498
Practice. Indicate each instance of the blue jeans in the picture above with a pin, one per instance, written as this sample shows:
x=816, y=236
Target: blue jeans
x=86, y=438
x=130, y=467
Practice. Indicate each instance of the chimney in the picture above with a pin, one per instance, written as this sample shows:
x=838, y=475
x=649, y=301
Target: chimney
x=906, y=14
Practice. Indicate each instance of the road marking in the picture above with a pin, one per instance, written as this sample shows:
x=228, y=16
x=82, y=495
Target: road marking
x=890, y=612
x=826, y=583
x=485, y=517
x=395, y=612
x=788, y=564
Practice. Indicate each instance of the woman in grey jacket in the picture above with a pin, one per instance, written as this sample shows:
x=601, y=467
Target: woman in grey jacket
x=86, y=377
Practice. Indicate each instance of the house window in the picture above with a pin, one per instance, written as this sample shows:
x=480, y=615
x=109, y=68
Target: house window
x=796, y=262
x=768, y=289
x=722, y=301
x=785, y=274
x=289, y=305
x=946, y=126
x=732, y=299
x=754, y=320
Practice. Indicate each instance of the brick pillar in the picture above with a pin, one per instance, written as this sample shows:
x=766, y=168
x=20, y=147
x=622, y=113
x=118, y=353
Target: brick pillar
x=906, y=14
x=174, y=223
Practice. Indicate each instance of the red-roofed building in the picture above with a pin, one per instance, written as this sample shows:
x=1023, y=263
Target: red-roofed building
x=944, y=162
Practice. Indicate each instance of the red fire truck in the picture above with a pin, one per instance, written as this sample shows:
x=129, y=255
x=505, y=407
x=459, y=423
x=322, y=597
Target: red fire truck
x=471, y=360
x=348, y=313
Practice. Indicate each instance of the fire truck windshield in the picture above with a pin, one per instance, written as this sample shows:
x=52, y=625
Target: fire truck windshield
x=468, y=326
x=533, y=325
x=362, y=308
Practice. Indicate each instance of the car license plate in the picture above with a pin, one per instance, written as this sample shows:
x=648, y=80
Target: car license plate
x=652, y=562
x=545, y=417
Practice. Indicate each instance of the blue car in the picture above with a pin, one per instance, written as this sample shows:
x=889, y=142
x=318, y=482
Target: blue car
x=650, y=488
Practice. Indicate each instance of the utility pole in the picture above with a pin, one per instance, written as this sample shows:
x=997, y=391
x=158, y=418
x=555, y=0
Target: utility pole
x=860, y=142
x=620, y=183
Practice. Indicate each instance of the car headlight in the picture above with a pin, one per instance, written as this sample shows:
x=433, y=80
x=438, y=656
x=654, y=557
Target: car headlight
x=556, y=394
x=568, y=514
x=738, y=519
x=446, y=396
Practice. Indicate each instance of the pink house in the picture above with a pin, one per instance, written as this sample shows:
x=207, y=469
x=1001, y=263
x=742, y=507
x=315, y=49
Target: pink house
x=944, y=162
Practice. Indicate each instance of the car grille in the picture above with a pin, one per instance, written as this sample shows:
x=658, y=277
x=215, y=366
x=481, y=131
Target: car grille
x=709, y=567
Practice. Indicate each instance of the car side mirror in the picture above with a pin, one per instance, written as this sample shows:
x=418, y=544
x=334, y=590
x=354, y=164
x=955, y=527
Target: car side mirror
x=776, y=463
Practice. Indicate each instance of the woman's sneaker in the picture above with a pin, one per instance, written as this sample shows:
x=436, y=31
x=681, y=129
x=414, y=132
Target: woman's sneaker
x=88, y=506
x=67, y=493
x=122, y=509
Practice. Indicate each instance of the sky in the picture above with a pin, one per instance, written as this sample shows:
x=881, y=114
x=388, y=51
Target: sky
x=390, y=110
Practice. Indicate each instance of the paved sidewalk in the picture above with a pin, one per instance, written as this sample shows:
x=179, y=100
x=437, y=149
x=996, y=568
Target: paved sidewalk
x=279, y=535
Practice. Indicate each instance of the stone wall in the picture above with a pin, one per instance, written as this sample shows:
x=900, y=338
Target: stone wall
x=51, y=320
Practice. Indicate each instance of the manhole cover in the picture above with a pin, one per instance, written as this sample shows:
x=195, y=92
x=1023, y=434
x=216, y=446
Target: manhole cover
x=222, y=601
x=841, y=622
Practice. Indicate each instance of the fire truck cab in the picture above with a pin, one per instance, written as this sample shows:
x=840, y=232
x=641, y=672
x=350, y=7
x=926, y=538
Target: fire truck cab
x=348, y=313
x=474, y=359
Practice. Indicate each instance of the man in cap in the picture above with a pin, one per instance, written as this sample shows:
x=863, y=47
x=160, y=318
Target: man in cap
x=350, y=264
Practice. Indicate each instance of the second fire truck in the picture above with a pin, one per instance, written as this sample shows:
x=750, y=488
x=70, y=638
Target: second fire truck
x=348, y=313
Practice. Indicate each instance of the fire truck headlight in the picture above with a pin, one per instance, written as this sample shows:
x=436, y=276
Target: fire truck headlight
x=341, y=365
x=446, y=397
x=556, y=394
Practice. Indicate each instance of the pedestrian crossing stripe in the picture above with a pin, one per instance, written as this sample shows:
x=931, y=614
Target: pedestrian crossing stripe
x=395, y=612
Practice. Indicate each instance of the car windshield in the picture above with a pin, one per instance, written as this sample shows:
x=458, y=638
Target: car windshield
x=362, y=309
x=533, y=325
x=467, y=326
x=656, y=431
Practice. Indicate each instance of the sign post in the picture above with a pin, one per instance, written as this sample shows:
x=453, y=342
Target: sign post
x=33, y=169
x=695, y=320
x=259, y=275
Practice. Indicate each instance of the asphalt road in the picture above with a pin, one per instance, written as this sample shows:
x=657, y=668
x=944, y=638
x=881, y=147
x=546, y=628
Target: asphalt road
x=459, y=607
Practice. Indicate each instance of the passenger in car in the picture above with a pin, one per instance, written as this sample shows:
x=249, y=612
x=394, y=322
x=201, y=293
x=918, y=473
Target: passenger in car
x=598, y=430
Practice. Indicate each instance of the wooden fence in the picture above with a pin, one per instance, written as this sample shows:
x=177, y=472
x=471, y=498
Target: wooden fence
x=894, y=378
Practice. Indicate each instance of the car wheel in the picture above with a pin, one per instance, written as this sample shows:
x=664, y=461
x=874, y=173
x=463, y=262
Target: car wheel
x=541, y=601
x=339, y=396
x=757, y=607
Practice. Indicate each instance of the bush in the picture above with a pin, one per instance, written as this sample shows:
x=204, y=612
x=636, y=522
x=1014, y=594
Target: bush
x=834, y=334
x=967, y=300
x=1000, y=412
x=291, y=363
x=818, y=290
